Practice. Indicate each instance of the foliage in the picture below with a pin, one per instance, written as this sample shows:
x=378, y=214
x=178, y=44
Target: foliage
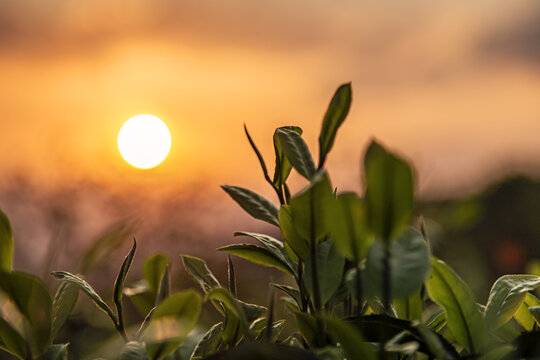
x=365, y=282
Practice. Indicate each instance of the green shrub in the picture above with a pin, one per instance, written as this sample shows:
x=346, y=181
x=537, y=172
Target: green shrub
x=366, y=284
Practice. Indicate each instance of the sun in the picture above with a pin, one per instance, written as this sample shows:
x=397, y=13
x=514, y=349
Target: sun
x=144, y=141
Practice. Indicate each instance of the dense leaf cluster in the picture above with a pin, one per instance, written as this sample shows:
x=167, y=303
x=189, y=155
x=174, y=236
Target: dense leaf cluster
x=365, y=282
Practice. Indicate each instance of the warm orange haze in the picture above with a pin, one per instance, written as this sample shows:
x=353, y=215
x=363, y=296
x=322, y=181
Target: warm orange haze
x=452, y=85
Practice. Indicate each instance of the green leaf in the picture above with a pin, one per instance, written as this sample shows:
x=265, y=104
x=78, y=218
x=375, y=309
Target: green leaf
x=330, y=270
x=293, y=242
x=350, y=231
x=535, y=311
x=6, y=243
x=383, y=328
x=312, y=210
x=263, y=351
x=334, y=117
x=153, y=269
x=297, y=152
x=330, y=353
x=258, y=325
x=437, y=320
x=198, y=270
x=230, y=303
x=523, y=316
x=506, y=296
x=283, y=165
x=64, y=300
x=275, y=247
x=232, y=332
x=164, y=290
x=257, y=255
x=374, y=303
x=145, y=293
x=434, y=342
x=275, y=331
x=410, y=308
x=34, y=302
x=349, y=337
x=209, y=343
x=252, y=311
x=389, y=191
x=119, y=283
x=254, y=204
x=88, y=290
x=307, y=325
x=141, y=295
x=499, y=353
x=409, y=265
x=56, y=352
x=10, y=339
x=292, y=292
x=464, y=318
x=238, y=315
x=171, y=322
x=134, y=350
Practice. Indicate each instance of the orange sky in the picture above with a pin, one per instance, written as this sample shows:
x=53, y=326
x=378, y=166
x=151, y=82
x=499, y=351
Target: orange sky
x=452, y=85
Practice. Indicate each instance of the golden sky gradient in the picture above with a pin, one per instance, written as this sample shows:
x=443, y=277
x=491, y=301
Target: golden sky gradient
x=452, y=85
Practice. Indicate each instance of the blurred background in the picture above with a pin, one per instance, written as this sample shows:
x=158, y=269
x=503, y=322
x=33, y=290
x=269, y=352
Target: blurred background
x=454, y=86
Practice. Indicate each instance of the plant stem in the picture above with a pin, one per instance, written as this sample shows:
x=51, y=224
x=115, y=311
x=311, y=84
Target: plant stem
x=270, y=317
x=386, y=292
x=301, y=288
x=119, y=322
x=315, y=274
x=287, y=193
x=122, y=331
x=279, y=192
x=359, y=293
x=313, y=258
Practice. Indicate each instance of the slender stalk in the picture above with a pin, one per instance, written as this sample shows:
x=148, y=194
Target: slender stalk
x=119, y=323
x=279, y=193
x=232, y=276
x=301, y=288
x=270, y=317
x=263, y=166
x=287, y=193
x=347, y=307
x=315, y=274
x=358, y=284
x=122, y=331
x=358, y=280
x=386, y=294
x=386, y=291
x=145, y=323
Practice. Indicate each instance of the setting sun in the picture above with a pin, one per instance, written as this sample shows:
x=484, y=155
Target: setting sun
x=144, y=141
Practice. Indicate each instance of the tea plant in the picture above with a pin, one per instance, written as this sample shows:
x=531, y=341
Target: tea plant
x=365, y=282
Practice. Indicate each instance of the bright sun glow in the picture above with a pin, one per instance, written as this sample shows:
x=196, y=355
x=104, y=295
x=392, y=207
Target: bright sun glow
x=144, y=141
